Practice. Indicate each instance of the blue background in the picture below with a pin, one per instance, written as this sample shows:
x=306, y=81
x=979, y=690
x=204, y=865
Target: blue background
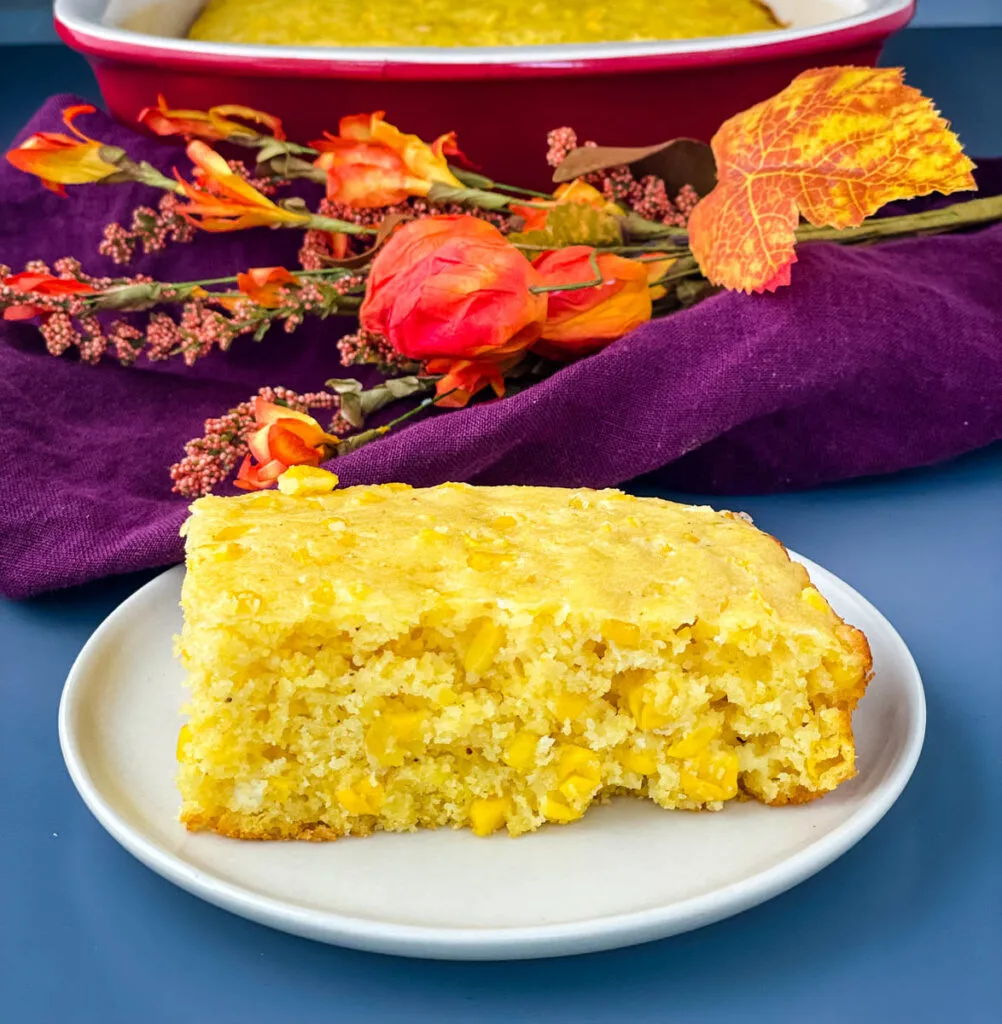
x=906, y=927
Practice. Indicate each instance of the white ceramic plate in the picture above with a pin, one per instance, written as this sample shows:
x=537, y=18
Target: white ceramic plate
x=447, y=894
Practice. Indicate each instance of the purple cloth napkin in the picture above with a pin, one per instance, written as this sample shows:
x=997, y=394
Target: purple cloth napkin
x=876, y=359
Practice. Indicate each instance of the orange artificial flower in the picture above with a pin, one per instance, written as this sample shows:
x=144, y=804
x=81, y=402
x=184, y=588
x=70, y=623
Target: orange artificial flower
x=451, y=289
x=262, y=284
x=371, y=163
x=463, y=378
x=221, y=200
x=64, y=159
x=585, y=320
x=30, y=283
x=283, y=438
x=577, y=191
x=214, y=124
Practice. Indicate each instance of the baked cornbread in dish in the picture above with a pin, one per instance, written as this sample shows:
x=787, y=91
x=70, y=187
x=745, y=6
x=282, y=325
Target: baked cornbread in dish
x=394, y=658
x=473, y=23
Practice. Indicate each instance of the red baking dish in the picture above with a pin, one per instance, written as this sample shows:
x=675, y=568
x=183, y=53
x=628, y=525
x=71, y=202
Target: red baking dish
x=500, y=100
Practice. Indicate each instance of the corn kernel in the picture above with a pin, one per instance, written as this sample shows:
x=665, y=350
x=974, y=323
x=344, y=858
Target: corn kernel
x=812, y=596
x=504, y=523
x=483, y=647
x=301, y=480
x=841, y=673
x=247, y=602
x=183, y=739
x=555, y=808
x=231, y=533
x=692, y=744
x=324, y=593
x=571, y=705
x=643, y=762
x=711, y=777
x=446, y=696
x=484, y=561
x=575, y=760
x=577, y=789
x=404, y=725
x=280, y=787
x=625, y=634
x=488, y=815
x=378, y=739
x=365, y=797
x=698, y=789
x=520, y=753
x=369, y=498
x=639, y=705
x=224, y=552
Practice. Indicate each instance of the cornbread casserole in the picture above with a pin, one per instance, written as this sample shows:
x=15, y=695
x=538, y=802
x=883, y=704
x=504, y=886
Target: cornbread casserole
x=394, y=658
x=473, y=23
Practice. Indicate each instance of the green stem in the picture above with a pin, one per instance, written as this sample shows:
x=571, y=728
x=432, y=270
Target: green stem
x=479, y=181
x=523, y=191
x=929, y=222
x=147, y=294
x=578, y=285
x=350, y=444
x=319, y=223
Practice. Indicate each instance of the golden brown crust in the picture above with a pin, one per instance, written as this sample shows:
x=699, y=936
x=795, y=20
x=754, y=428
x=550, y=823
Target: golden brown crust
x=238, y=826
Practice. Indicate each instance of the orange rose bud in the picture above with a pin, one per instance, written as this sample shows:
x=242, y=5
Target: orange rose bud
x=64, y=159
x=262, y=284
x=283, y=438
x=30, y=283
x=463, y=378
x=371, y=163
x=214, y=124
x=453, y=288
x=585, y=320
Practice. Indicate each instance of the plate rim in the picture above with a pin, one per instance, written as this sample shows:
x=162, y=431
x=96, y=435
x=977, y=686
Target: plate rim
x=608, y=931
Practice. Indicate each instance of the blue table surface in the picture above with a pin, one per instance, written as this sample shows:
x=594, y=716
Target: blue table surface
x=906, y=926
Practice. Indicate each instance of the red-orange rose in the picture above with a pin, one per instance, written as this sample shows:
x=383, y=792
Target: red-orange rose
x=283, y=438
x=452, y=289
x=371, y=163
x=584, y=320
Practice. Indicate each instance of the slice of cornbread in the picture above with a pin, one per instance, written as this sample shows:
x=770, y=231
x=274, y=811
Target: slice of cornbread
x=385, y=657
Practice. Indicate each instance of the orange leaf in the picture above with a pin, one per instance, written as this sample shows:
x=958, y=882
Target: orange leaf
x=835, y=145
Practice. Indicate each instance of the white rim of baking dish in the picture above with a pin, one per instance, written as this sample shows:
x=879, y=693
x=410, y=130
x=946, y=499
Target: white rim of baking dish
x=503, y=943
x=77, y=16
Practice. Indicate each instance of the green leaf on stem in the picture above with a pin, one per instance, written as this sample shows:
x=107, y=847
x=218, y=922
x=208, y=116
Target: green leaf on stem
x=357, y=403
x=275, y=160
x=441, y=194
x=573, y=224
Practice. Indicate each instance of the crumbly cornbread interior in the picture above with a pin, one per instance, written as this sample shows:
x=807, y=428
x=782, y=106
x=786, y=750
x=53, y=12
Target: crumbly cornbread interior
x=395, y=658
x=474, y=22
